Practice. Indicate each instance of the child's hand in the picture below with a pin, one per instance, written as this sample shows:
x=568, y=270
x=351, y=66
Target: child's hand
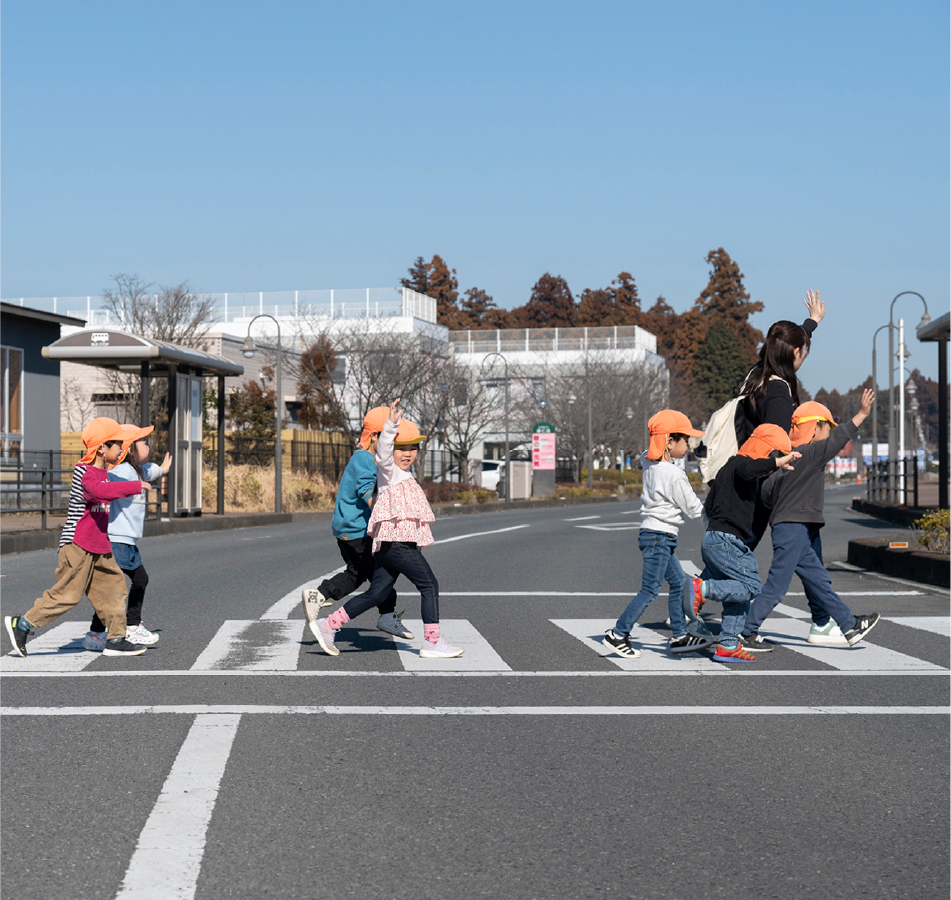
x=868, y=398
x=817, y=309
x=784, y=461
x=166, y=463
x=395, y=414
x=146, y=487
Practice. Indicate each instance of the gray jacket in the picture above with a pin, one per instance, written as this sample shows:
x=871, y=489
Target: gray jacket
x=799, y=495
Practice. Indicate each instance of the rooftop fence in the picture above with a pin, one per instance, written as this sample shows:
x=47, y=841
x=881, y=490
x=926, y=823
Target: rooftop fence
x=610, y=337
x=356, y=303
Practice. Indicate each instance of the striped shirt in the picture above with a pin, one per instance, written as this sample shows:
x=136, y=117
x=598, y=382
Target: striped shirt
x=76, y=506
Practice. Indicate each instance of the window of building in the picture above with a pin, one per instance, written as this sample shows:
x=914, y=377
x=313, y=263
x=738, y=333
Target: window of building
x=11, y=398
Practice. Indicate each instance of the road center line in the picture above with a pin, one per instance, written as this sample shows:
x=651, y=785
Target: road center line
x=167, y=857
x=462, y=537
x=581, y=519
x=205, y=761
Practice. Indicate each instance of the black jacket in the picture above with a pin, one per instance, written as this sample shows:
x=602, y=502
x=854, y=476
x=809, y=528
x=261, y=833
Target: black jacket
x=729, y=505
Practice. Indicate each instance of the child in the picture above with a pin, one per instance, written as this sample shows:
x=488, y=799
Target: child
x=728, y=559
x=666, y=498
x=349, y=526
x=126, y=523
x=86, y=565
x=796, y=499
x=399, y=525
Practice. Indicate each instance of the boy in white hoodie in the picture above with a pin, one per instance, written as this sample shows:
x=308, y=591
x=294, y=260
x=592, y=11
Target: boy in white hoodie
x=666, y=497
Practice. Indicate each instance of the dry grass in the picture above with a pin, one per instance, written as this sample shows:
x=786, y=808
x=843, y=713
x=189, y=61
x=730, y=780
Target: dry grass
x=251, y=489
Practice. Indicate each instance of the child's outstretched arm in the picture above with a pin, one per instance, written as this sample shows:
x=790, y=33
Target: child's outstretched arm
x=784, y=462
x=868, y=398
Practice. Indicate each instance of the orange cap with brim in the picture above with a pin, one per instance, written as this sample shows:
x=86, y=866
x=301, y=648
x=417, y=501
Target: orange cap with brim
x=97, y=432
x=408, y=434
x=131, y=434
x=373, y=423
x=764, y=440
x=804, y=422
x=662, y=425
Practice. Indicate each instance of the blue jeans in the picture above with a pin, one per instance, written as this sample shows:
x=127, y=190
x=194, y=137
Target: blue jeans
x=734, y=580
x=660, y=564
x=393, y=560
x=797, y=550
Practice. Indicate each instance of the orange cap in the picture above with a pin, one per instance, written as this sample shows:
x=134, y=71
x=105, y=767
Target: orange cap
x=131, y=433
x=97, y=432
x=373, y=423
x=408, y=433
x=662, y=425
x=765, y=439
x=804, y=422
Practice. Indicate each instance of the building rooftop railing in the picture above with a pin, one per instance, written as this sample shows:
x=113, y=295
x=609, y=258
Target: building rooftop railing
x=355, y=303
x=610, y=337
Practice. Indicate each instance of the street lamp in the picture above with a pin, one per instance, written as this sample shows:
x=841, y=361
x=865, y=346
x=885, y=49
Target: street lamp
x=875, y=404
x=507, y=466
x=248, y=349
x=925, y=319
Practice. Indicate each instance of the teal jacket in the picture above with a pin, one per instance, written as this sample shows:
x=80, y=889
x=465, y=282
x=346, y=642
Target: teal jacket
x=352, y=509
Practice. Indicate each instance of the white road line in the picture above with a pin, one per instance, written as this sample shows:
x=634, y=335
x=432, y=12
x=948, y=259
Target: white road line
x=286, y=605
x=462, y=537
x=632, y=512
x=470, y=711
x=167, y=858
x=58, y=650
x=613, y=526
x=254, y=645
x=581, y=519
x=479, y=655
x=350, y=673
x=653, y=646
x=937, y=624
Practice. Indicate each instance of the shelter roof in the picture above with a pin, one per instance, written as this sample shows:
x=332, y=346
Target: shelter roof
x=937, y=330
x=113, y=349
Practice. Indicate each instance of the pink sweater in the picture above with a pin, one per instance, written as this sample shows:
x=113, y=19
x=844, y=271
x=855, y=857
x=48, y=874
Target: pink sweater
x=92, y=530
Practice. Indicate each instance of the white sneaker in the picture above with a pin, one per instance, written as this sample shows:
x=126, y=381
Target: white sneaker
x=440, y=650
x=830, y=635
x=325, y=636
x=313, y=600
x=392, y=623
x=139, y=634
x=95, y=641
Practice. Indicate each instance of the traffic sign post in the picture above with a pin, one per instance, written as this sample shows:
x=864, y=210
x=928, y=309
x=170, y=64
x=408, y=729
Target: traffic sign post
x=543, y=459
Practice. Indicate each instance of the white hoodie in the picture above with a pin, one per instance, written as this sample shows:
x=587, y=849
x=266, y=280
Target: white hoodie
x=666, y=496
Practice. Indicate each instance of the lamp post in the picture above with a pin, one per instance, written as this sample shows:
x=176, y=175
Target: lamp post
x=925, y=319
x=248, y=349
x=875, y=404
x=506, y=466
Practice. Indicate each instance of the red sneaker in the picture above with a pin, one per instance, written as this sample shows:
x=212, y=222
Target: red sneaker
x=737, y=654
x=694, y=597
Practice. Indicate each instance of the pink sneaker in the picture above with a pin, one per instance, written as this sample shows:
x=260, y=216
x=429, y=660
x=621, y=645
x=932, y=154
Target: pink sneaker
x=440, y=650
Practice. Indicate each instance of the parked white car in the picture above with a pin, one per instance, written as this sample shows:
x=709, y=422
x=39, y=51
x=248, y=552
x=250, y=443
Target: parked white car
x=491, y=471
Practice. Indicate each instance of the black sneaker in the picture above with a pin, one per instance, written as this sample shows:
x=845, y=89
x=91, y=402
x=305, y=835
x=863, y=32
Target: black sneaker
x=123, y=648
x=17, y=635
x=620, y=644
x=863, y=625
x=690, y=643
x=756, y=643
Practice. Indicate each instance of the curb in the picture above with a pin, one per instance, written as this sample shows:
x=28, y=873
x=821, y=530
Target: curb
x=922, y=566
x=899, y=515
x=28, y=541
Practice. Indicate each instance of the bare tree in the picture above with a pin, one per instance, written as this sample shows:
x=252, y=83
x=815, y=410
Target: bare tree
x=176, y=314
x=77, y=403
x=470, y=413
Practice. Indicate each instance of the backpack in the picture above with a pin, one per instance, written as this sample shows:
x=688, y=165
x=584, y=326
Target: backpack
x=727, y=429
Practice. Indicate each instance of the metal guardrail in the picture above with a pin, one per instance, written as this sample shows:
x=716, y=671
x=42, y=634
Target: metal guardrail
x=903, y=473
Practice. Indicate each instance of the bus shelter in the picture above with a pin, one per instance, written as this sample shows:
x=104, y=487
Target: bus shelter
x=184, y=367
x=939, y=332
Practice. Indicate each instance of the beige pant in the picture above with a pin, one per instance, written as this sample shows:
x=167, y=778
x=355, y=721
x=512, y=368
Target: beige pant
x=79, y=572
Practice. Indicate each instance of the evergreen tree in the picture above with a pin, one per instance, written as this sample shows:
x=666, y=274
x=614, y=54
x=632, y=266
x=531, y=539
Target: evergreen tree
x=595, y=308
x=627, y=304
x=720, y=365
x=551, y=305
x=444, y=286
x=418, y=277
x=726, y=299
x=477, y=309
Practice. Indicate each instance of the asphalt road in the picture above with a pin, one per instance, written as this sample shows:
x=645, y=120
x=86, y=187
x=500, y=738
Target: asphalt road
x=236, y=760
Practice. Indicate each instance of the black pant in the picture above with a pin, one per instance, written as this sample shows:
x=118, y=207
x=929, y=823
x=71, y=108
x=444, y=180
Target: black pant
x=358, y=555
x=133, y=615
x=395, y=559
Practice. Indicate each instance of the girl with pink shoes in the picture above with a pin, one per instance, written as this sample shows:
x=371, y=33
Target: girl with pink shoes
x=399, y=526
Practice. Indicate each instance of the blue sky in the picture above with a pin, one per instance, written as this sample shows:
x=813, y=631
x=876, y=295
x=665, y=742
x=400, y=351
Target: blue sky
x=289, y=145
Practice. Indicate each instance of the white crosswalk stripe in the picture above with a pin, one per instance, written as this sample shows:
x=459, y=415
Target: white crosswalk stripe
x=58, y=650
x=254, y=645
x=935, y=624
x=479, y=655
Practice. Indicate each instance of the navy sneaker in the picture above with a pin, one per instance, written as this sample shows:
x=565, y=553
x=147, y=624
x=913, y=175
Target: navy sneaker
x=17, y=635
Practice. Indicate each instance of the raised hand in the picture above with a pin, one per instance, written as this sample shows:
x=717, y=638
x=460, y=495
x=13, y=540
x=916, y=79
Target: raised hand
x=868, y=398
x=166, y=463
x=817, y=309
x=784, y=461
x=395, y=414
